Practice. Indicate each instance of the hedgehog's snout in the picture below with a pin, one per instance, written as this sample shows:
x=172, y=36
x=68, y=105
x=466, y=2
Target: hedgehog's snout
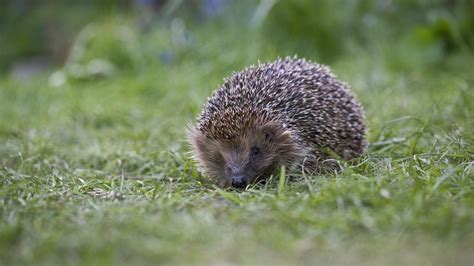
x=239, y=181
x=237, y=177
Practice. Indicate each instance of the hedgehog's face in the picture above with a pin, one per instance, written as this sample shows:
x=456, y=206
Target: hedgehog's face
x=244, y=159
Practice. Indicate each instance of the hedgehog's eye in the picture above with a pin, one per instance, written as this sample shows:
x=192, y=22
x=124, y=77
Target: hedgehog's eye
x=254, y=152
x=268, y=137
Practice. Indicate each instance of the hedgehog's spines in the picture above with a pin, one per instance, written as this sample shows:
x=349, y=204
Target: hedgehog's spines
x=304, y=97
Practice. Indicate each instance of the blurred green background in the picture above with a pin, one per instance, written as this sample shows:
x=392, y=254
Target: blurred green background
x=131, y=35
x=95, y=97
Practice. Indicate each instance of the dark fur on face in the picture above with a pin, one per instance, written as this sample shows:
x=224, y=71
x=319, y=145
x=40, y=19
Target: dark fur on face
x=244, y=159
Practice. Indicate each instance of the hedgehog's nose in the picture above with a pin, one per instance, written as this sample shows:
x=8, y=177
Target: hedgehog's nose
x=239, y=181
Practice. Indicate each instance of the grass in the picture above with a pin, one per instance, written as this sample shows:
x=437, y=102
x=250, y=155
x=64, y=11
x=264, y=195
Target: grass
x=96, y=171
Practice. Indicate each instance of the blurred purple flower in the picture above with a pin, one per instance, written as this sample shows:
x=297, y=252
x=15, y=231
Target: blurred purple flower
x=212, y=8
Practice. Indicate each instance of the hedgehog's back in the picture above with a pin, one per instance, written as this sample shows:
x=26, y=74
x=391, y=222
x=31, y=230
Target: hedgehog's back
x=305, y=96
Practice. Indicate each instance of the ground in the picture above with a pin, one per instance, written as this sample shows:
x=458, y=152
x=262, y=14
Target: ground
x=96, y=170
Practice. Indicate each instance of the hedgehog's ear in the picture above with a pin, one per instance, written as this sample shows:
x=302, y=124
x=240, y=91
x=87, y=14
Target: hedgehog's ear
x=275, y=132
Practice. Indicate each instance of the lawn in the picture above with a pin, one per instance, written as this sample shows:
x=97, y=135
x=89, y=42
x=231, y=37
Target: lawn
x=95, y=170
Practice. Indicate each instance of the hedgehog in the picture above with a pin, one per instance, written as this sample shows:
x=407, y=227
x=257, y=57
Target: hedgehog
x=290, y=113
